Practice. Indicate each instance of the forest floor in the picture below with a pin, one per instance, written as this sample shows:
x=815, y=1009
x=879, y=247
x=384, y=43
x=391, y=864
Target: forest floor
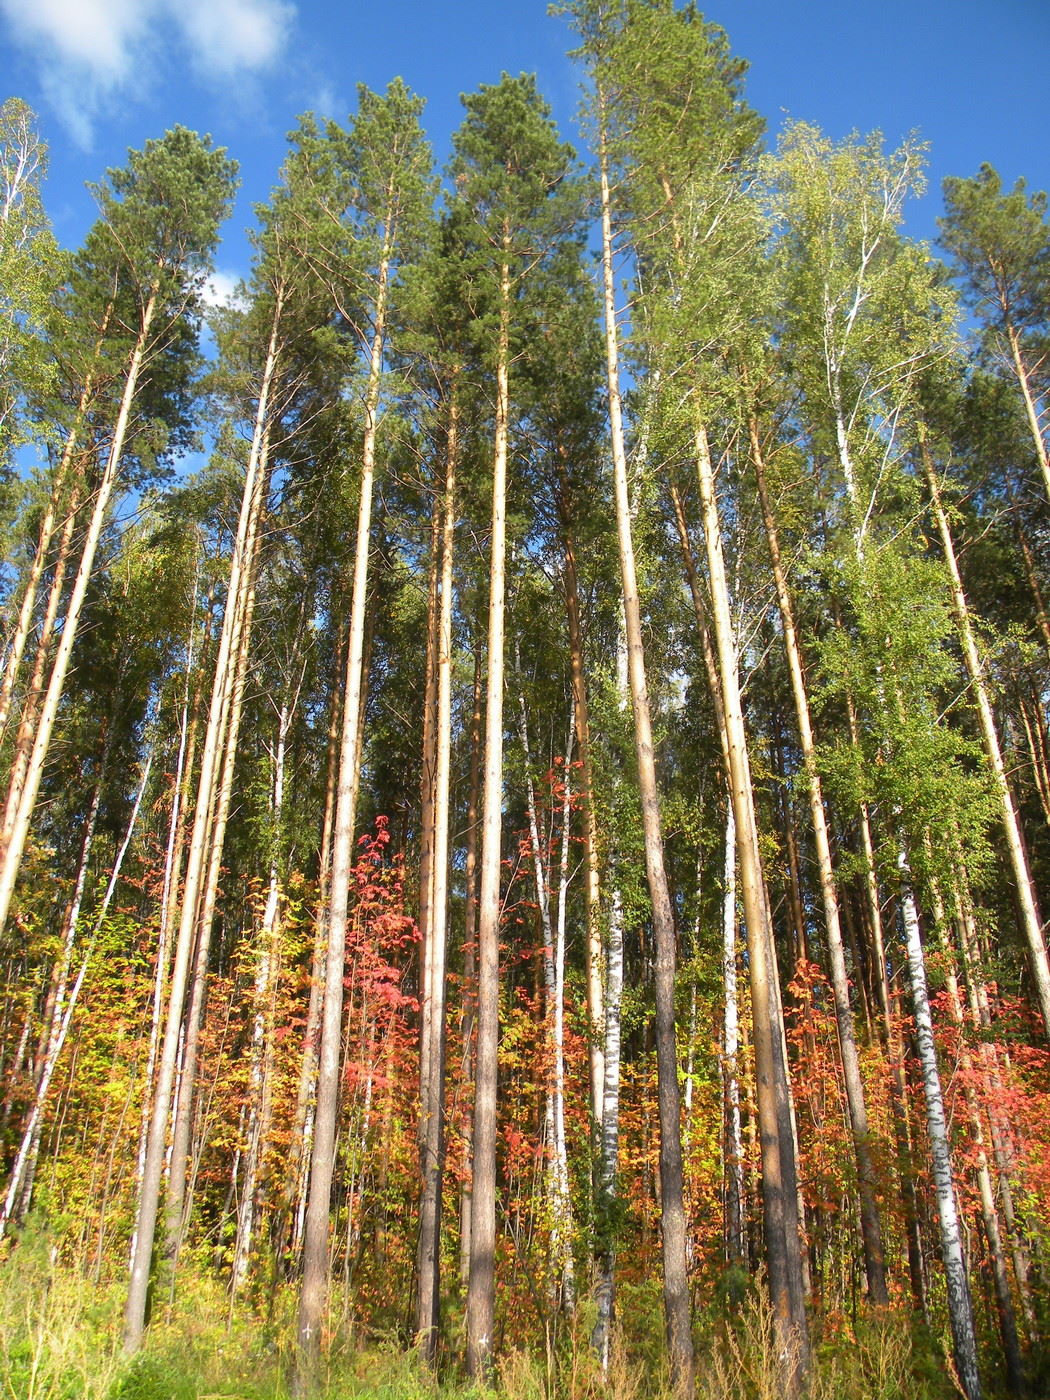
x=59, y=1340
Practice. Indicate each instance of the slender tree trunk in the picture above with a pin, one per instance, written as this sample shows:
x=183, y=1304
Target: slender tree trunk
x=168, y=904
x=24, y=625
x=19, y=827
x=871, y=1229
x=481, y=1283
x=1030, y=920
x=562, y=1198
x=149, y=1193
x=779, y=1170
x=1031, y=411
x=261, y=1047
x=470, y=919
x=64, y=1016
x=590, y=833
x=299, y=1180
x=1035, y=736
x=322, y=1164
x=609, y=1142
x=672, y=1217
x=606, y=1176
x=20, y=1187
x=428, y=1314
x=25, y=735
x=733, y=1155
x=177, y=1206
x=16, y=648
x=1032, y=575
x=960, y=1308
x=426, y=818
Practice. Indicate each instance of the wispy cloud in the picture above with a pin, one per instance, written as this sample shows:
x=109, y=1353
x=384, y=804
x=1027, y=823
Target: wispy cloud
x=223, y=289
x=97, y=36
x=90, y=50
x=327, y=103
x=227, y=36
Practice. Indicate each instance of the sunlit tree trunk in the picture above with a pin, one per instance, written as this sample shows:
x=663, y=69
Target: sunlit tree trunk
x=1039, y=964
x=672, y=1201
x=481, y=1283
x=595, y=1012
x=19, y=827
x=871, y=1229
x=733, y=1156
x=960, y=1308
x=322, y=1163
x=779, y=1168
x=211, y=754
x=261, y=1052
x=562, y=1198
x=470, y=921
x=433, y=1092
x=60, y=499
x=25, y=734
x=177, y=1205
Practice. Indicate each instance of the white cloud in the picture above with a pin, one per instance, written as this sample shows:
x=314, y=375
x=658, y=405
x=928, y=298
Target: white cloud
x=89, y=49
x=92, y=35
x=226, y=36
x=223, y=289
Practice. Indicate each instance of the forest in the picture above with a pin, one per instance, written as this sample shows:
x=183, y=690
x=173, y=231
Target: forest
x=522, y=872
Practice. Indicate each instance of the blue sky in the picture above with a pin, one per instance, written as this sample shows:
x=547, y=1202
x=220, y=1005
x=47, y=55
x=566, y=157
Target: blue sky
x=968, y=75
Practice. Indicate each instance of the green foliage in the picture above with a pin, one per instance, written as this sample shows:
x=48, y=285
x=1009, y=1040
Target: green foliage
x=1000, y=250
x=56, y=1337
x=31, y=267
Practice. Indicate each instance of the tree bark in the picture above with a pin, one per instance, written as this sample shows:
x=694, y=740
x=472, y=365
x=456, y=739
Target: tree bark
x=595, y=1012
x=322, y=1164
x=960, y=1307
x=481, y=1283
x=1030, y=921
x=149, y=1192
x=178, y=1204
x=16, y=839
x=428, y=1311
x=672, y=1201
x=871, y=1228
x=470, y=919
x=779, y=1169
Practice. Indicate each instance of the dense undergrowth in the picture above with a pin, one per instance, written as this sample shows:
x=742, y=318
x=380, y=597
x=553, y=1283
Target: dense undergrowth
x=60, y=1340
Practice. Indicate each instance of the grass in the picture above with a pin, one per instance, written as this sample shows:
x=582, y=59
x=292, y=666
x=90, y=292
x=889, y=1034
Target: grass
x=59, y=1340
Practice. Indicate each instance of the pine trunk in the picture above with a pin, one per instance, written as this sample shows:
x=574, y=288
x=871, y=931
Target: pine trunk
x=481, y=1283
x=672, y=1199
x=428, y=1311
x=1030, y=921
x=149, y=1191
x=871, y=1228
x=15, y=835
x=314, y=1286
x=779, y=1168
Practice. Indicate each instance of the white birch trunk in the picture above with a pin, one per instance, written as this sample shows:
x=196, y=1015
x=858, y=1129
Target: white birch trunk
x=960, y=1308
